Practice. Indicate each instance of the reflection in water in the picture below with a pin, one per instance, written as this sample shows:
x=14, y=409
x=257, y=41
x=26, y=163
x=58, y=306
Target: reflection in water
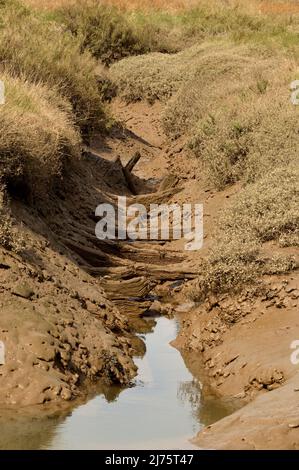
x=27, y=432
x=163, y=411
x=205, y=409
x=191, y=392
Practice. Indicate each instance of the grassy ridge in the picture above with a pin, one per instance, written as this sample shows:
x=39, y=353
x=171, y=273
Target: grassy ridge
x=37, y=134
x=112, y=30
x=42, y=51
x=53, y=98
x=228, y=96
x=226, y=91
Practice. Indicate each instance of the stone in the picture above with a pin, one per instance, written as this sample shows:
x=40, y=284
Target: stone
x=66, y=394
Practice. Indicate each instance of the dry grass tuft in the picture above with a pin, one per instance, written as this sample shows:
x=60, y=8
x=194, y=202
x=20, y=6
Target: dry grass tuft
x=40, y=50
x=37, y=137
x=103, y=30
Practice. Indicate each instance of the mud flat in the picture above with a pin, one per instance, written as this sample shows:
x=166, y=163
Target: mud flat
x=249, y=359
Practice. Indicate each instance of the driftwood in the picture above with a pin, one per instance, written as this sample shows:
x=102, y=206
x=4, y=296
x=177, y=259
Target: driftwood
x=159, y=197
x=133, y=162
x=113, y=272
x=129, y=180
x=148, y=253
x=117, y=251
x=132, y=307
x=129, y=295
x=90, y=255
x=128, y=272
x=170, y=273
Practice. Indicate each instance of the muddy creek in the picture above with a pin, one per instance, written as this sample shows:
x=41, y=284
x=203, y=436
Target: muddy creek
x=163, y=410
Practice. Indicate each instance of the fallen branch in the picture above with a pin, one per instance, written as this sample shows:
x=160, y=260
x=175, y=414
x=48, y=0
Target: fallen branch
x=133, y=162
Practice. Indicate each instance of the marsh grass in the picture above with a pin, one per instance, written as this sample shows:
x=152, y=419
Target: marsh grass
x=265, y=211
x=37, y=137
x=223, y=71
x=43, y=52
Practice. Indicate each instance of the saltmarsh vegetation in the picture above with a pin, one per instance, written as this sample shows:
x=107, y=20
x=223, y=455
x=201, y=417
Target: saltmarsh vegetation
x=53, y=100
x=37, y=135
x=41, y=51
x=103, y=30
x=223, y=71
x=228, y=96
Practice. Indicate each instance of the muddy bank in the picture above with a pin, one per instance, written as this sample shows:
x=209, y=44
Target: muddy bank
x=59, y=329
x=69, y=302
x=162, y=410
x=243, y=345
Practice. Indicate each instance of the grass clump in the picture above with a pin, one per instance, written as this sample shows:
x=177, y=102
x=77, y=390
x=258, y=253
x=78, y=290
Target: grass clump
x=155, y=76
x=40, y=50
x=37, y=137
x=146, y=80
x=103, y=30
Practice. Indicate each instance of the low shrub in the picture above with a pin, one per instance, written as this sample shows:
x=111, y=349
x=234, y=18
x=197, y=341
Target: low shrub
x=103, y=30
x=264, y=211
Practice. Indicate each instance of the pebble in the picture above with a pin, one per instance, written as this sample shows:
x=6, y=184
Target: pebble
x=66, y=394
x=293, y=425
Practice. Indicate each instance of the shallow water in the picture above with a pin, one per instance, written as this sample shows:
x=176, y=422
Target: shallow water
x=163, y=411
x=160, y=412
